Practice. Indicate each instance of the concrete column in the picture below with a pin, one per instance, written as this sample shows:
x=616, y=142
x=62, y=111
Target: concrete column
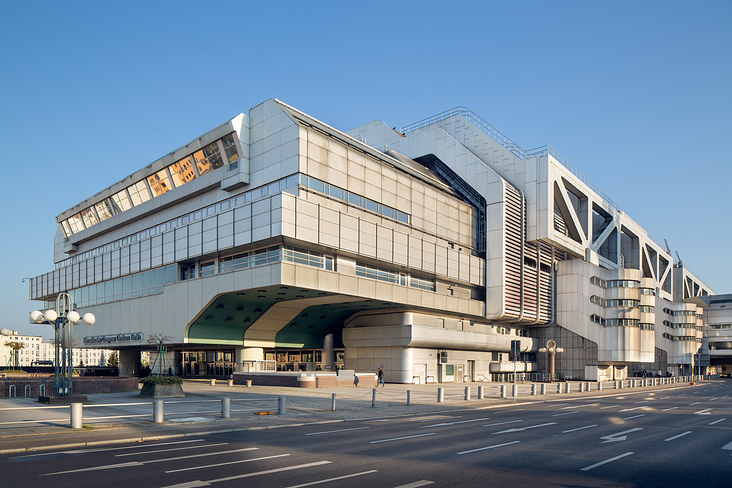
x=128, y=362
x=247, y=354
x=328, y=354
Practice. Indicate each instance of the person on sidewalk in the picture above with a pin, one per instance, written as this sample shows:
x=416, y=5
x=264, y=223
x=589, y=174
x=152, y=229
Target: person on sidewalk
x=381, y=377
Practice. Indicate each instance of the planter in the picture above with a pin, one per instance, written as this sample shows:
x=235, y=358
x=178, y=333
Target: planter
x=162, y=391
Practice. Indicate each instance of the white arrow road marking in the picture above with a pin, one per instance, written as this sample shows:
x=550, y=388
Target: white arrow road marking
x=489, y=447
x=677, y=436
x=525, y=428
x=619, y=436
x=593, y=466
x=703, y=412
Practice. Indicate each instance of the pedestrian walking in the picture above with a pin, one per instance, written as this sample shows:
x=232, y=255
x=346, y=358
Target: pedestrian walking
x=381, y=376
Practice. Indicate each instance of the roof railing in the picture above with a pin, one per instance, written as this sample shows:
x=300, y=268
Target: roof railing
x=522, y=153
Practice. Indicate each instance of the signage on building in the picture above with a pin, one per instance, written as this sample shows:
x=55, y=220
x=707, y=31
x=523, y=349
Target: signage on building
x=108, y=339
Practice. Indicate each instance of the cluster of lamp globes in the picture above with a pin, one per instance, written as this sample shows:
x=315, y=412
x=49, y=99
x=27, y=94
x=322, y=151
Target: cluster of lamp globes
x=51, y=315
x=551, y=348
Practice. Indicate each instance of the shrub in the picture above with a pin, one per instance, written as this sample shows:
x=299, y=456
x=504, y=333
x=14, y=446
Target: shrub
x=162, y=380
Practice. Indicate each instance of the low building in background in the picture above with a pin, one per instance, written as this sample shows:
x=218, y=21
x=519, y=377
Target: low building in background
x=36, y=351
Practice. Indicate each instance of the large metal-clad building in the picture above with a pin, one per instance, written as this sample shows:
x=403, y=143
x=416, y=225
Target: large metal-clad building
x=275, y=242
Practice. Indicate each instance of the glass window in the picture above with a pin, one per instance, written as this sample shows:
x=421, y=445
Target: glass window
x=230, y=148
x=316, y=185
x=89, y=217
x=371, y=205
x=75, y=223
x=207, y=269
x=139, y=193
x=104, y=209
x=182, y=172
x=159, y=182
x=208, y=158
x=147, y=282
x=126, y=287
x=402, y=217
x=354, y=199
x=158, y=280
x=118, y=289
x=170, y=272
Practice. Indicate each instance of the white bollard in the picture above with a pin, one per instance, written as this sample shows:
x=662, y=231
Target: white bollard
x=467, y=393
x=225, y=408
x=581, y=387
x=480, y=393
x=503, y=391
x=158, y=413
x=213, y=382
x=533, y=389
x=559, y=388
x=543, y=388
x=332, y=402
x=569, y=387
x=440, y=395
x=77, y=415
x=599, y=385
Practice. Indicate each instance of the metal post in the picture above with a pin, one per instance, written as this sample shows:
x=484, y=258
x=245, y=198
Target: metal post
x=409, y=397
x=480, y=393
x=599, y=385
x=543, y=388
x=533, y=389
x=77, y=415
x=440, y=395
x=158, y=413
x=467, y=393
x=225, y=408
x=569, y=386
x=332, y=403
x=503, y=391
x=581, y=387
x=373, y=398
x=282, y=405
x=559, y=388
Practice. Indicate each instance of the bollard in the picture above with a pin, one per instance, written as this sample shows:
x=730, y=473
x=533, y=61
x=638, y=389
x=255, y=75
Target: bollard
x=503, y=391
x=213, y=382
x=481, y=394
x=231, y=382
x=373, y=398
x=599, y=385
x=281, y=405
x=77, y=415
x=632, y=383
x=225, y=408
x=559, y=388
x=514, y=391
x=581, y=387
x=587, y=386
x=332, y=403
x=543, y=388
x=568, y=387
x=533, y=390
x=467, y=393
x=621, y=384
x=249, y=383
x=158, y=413
x=440, y=395
x=409, y=397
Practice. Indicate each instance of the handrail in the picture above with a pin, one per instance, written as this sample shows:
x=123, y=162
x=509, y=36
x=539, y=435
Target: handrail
x=522, y=153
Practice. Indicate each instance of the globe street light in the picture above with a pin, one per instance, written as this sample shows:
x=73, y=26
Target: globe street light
x=63, y=318
x=551, y=349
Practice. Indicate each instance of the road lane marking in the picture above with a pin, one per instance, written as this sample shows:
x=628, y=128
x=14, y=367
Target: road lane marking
x=695, y=403
x=240, y=461
x=631, y=409
x=198, y=483
x=677, y=436
x=727, y=447
x=717, y=421
x=581, y=406
x=453, y=423
x=340, y=430
x=664, y=398
x=635, y=416
x=140, y=453
x=520, y=429
x=416, y=484
x=510, y=411
x=335, y=479
x=565, y=413
x=488, y=447
x=593, y=466
x=703, y=412
x=151, y=461
x=712, y=399
x=503, y=423
x=31, y=457
x=667, y=409
x=609, y=406
x=401, y=438
x=578, y=428
x=643, y=401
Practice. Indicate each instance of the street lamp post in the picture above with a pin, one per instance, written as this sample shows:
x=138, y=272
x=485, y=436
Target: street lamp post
x=63, y=318
x=551, y=349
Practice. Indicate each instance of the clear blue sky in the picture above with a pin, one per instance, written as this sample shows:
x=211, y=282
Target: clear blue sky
x=636, y=95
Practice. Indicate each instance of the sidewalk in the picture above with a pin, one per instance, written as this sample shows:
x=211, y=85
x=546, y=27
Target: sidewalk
x=26, y=425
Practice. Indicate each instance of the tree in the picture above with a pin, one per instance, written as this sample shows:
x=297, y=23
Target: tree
x=15, y=346
x=162, y=351
x=113, y=360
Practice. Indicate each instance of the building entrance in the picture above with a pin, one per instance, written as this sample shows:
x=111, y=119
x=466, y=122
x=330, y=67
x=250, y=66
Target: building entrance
x=303, y=359
x=207, y=364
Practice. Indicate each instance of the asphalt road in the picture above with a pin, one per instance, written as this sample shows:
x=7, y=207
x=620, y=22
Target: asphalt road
x=667, y=437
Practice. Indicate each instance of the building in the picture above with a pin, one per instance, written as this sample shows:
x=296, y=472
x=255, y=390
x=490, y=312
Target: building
x=275, y=242
x=38, y=352
x=716, y=351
